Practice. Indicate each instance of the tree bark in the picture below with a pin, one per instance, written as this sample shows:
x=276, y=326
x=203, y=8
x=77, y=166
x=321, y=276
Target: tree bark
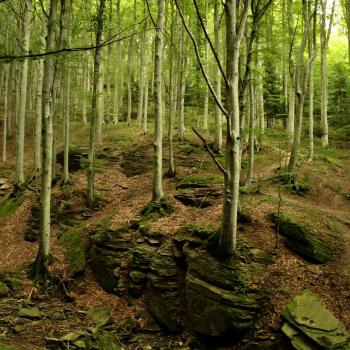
x=96, y=82
x=20, y=129
x=158, y=106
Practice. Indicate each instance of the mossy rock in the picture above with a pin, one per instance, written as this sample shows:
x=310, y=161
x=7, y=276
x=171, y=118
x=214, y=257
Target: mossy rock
x=106, y=341
x=310, y=326
x=142, y=256
x=100, y=316
x=13, y=282
x=303, y=240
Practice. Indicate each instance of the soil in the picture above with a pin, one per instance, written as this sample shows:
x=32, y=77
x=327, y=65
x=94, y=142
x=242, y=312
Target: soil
x=123, y=194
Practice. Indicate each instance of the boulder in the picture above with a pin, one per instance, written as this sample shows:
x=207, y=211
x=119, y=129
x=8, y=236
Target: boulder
x=303, y=240
x=309, y=326
x=76, y=160
x=108, y=250
x=100, y=316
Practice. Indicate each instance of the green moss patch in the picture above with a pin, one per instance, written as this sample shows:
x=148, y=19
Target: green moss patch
x=9, y=207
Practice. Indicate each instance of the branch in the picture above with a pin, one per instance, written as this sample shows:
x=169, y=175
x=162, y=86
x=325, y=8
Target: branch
x=67, y=49
x=204, y=73
x=218, y=164
x=210, y=43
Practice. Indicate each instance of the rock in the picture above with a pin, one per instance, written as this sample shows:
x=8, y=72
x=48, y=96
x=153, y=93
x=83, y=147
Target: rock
x=141, y=257
x=109, y=248
x=80, y=344
x=76, y=161
x=303, y=240
x=198, y=197
x=100, y=316
x=310, y=326
x=220, y=297
x=137, y=283
x=73, y=336
x=164, y=288
x=3, y=181
x=106, y=341
x=4, y=291
x=32, y=233
x=32, y=313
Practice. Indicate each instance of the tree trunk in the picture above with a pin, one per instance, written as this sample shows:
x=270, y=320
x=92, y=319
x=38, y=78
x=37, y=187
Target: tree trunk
x=20, y=129
x=96, y=83
x=234, y=34
x=324, y=36
x=206, y=91
x=251, y=142
x=158, y=106
x=39, y=270
x=218, y=115
x=6, y=71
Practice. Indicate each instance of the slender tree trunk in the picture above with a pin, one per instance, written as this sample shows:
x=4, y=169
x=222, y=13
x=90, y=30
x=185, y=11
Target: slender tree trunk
x=291, y=95
x=234, y=34
x=301, y=80
x=158, y=105
x=99, y=101
x=206, y=91
x=325, y=35
x=38, y=119
x=6, y=71
x=218, y=115
x=118, y=86
x=251, y=142
x=85, y=80
x=40, y=268
x=20, y=129
x=96, y=82
x=65, y=83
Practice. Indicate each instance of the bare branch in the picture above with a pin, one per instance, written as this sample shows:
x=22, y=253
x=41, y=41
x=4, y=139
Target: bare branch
x=218, y=164
x=201, y=66
x=210, y=43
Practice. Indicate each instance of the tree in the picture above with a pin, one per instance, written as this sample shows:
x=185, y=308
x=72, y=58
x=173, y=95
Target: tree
x=234, y=34
x=324, y=38
x=20, y=128
x=39, y=269
x=96, y=84
x=158, y=194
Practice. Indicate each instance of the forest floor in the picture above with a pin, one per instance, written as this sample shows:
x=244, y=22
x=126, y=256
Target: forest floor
x=123, y=184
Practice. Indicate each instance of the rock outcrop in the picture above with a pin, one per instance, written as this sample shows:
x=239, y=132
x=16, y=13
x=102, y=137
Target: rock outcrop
x=110, y=247
x=309, y=326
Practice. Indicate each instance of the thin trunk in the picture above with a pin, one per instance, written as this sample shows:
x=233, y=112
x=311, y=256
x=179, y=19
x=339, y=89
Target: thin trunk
x=206, y=91
x=20, y=129
x=251, y=141
x=6, y=71
x=99, y=101
x=96, y=82
x=118, y=86
x=234, y=34
x=158, y=106
x=38, y=120
x=218, y=115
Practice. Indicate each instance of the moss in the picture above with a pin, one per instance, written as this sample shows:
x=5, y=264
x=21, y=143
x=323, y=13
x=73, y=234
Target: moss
x=9, y=207
x=291, y=183
x=75, y=250
x=157, y=209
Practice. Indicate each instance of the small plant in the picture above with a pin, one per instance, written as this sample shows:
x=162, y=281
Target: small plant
x=290, y=182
